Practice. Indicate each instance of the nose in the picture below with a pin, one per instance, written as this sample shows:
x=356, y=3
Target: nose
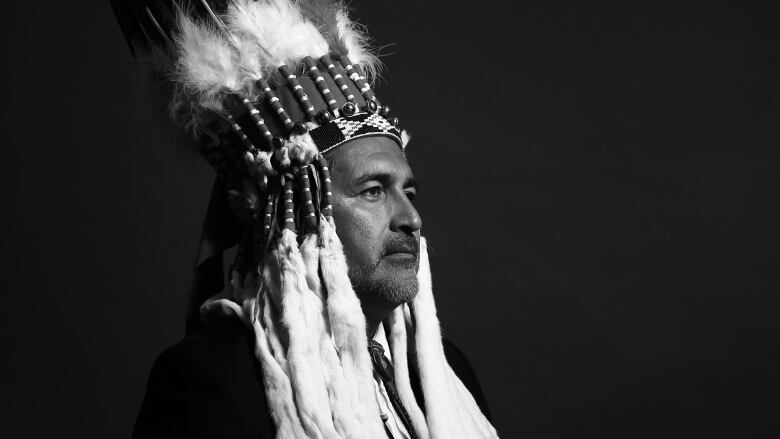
x=405, y=217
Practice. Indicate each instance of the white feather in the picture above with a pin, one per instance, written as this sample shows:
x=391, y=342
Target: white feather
x=406, y=136
x=207, y=66
x=278, y=28
x=356, y=43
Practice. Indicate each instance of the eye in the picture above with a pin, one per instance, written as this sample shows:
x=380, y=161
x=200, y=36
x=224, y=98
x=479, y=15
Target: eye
x=373, y=193
x=411, y=195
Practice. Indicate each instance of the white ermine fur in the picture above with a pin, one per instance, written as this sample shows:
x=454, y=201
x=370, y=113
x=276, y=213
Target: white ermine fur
x=348, y=325
x=276, y=383
x=319, y=385
x=301, y=147
x=341, y=403
x=450, y=408
x=395, y=327
x=308, y=383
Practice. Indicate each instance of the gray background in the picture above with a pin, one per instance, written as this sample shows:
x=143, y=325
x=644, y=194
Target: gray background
x=599, y=183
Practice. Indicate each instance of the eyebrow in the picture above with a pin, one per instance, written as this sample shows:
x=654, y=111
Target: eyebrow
x=384, y=178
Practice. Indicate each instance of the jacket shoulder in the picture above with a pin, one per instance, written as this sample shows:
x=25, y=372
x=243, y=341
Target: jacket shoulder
x=207, y=385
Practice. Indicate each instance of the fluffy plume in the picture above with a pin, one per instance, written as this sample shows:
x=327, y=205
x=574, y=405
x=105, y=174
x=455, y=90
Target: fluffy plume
x=301, y=147
x=355, y=41
x=278, y=29
x=206, y=67
x=228, y=53
x=344, y=36
x=406, y=136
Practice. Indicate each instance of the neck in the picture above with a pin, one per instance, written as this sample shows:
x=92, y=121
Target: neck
x=375, y=310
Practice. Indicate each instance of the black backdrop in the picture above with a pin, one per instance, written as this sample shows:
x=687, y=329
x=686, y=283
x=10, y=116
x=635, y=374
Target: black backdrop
x=599, y=185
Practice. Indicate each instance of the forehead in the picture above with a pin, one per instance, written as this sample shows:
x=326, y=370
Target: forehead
x=367, y=155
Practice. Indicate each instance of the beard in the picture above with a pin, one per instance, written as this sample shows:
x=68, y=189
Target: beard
x=393, y=280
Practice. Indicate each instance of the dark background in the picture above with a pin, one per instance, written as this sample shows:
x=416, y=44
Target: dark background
x=599, y=184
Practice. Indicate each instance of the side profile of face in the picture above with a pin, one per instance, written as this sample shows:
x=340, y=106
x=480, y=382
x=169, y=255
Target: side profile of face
x=373, y=194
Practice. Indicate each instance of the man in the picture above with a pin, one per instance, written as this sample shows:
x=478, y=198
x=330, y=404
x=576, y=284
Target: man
x=319, y=332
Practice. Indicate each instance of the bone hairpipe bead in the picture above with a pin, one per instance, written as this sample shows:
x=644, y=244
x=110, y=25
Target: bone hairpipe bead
x=325, y=207
x=297, y=90
x=263, y=236
x=255, y=115
x=240, y=132
x=275, y=104
x=287, y=198
x=319, y=81
x=310, y=220
x=365, y=87
x=338, y=77
x=356, y=75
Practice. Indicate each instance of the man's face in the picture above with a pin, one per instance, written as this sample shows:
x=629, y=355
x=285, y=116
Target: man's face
x=373, y=189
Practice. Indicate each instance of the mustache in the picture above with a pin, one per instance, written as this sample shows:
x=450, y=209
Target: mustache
x=402, y=244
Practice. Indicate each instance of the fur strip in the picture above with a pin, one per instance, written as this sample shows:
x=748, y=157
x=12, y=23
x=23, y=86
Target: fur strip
x=272, y=297
x=349, y=329
x=310, y=252
x=278, y=390
x=396, y=325
x=276, y=384
x=308, y=383
x=270, y=317
x=341, y=403
x=450, y=412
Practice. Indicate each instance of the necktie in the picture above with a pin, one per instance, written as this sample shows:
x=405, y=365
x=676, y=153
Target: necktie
x=385, y=371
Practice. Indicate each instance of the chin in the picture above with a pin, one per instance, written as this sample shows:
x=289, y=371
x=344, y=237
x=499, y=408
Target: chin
x=400, y=291
x=396, y=288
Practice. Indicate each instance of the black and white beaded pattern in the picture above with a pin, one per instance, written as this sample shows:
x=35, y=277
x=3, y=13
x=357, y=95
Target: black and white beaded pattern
x=372, y=122
x=338, y=131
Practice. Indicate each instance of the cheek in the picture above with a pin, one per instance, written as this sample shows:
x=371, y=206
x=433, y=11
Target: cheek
x=360, y=233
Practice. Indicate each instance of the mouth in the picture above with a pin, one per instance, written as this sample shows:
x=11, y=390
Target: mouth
x=401, y=252
x=401, y=256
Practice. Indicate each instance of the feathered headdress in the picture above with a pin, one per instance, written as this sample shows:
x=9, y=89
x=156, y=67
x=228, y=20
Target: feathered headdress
x=270, y=86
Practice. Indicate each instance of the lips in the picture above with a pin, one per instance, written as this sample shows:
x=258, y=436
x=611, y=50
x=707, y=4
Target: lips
x=402, y=246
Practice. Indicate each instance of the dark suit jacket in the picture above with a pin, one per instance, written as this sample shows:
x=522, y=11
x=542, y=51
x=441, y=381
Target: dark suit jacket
x=209, y=385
